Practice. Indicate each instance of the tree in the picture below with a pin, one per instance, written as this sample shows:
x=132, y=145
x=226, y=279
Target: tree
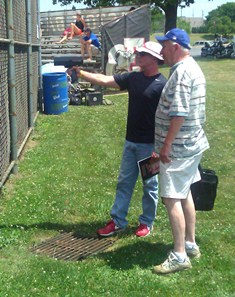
x=181, y=23
x=168, y=6
x=221, y=25
x=157, y=20
x=227, y=9
x=222, y=19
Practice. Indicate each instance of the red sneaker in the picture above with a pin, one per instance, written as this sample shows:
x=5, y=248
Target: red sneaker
x=109, y=229
x=143, y=230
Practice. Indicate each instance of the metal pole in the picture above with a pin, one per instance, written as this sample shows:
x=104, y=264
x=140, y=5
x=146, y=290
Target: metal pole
x=30, y=67
x=12, y=86
x=40, y=101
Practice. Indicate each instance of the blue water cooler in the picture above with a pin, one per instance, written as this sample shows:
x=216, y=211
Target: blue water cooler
x=55, y=92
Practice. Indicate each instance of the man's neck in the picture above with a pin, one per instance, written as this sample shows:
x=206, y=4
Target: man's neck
x=181, y=57
x=151, y=71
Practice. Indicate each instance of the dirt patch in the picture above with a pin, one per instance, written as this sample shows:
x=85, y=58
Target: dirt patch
x=30, y=144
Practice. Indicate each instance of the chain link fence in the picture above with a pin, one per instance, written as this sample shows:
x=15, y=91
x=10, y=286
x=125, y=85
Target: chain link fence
x=19, y=78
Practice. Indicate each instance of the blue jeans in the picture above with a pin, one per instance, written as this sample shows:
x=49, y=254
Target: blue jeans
x=129, y=171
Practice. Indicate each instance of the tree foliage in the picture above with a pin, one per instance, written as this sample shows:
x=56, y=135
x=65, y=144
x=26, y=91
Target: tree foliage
x=181, y=23
x=222, y=19
x=227, y=9
x=157, y=21
x=168, y=6
x=163, y=4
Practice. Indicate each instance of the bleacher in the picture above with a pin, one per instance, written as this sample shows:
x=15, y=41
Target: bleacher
x=53, y=23
x=50, y=48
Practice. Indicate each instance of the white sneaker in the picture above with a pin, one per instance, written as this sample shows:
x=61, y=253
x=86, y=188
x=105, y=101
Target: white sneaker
x=172, y=264
x=193, y=252
x=89, y=61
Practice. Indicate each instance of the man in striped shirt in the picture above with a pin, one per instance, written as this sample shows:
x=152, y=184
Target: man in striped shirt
x=180, y=142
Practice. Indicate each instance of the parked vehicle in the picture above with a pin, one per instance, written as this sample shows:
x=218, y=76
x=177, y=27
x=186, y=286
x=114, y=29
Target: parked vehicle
x=218, y=49
x=224, y=40
x=200, y=43
x=209, y=49
x=226, y=51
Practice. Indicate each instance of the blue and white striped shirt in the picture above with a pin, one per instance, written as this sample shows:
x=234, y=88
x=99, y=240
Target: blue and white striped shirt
x=183, y=95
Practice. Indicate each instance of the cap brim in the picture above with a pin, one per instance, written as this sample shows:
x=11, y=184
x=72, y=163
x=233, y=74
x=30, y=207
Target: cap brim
x=152, y=53
x=161, y=38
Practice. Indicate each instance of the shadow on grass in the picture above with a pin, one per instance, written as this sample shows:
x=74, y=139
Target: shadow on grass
x=141, y=253
x=127, y=250
x=83, y=229
x=80, y=228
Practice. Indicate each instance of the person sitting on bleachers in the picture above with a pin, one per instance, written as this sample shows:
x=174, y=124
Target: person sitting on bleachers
x=78, y=27
x=66, y=34
x=90, y=44
x=75, y=28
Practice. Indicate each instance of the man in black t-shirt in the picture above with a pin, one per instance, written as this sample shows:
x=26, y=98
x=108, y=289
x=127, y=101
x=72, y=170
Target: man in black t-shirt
x=144, y=89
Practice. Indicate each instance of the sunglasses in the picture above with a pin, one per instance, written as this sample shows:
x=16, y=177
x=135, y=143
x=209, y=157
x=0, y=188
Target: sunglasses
x=141, y=54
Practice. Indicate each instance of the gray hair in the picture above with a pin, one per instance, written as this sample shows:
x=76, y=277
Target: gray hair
x=183, y=48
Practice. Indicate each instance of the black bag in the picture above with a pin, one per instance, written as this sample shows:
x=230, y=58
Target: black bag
x=204, y=191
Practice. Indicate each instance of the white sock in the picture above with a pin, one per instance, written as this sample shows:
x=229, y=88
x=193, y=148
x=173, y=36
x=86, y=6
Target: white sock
x=180, y=256
x=190, y=244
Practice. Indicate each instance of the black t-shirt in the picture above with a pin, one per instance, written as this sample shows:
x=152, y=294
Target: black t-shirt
x=80, y=25
x=144, y=94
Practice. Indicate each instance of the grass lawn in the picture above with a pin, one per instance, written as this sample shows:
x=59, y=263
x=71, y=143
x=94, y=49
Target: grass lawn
x=193, y=37
x=66, y=182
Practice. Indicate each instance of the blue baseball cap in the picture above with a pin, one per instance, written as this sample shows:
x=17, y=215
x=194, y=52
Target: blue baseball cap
x=176, y=35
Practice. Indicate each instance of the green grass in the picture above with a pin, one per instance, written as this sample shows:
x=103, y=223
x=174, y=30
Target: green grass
x=193, y=37
x=66, y=182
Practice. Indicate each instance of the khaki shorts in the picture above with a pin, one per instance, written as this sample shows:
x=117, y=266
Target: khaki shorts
x=95, y=51
x=176, y=177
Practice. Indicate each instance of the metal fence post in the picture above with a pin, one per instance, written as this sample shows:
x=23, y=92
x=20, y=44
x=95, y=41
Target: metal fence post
x=30, y=75
x=12, y=87
x=40, y=100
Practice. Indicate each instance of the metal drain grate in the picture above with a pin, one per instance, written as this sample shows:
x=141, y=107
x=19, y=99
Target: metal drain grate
x=71, y=247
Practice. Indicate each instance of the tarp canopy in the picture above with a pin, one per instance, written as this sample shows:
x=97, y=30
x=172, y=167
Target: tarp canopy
x=121, y=36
